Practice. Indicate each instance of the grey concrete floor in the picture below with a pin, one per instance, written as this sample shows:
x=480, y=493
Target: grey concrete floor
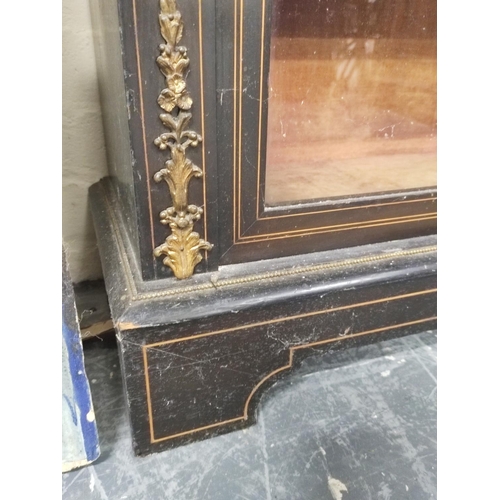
x=358, y=424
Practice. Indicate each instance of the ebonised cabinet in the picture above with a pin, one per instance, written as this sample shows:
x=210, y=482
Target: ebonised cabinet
x=267, y=196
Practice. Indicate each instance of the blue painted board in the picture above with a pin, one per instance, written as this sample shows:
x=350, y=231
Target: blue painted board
x=80, y=441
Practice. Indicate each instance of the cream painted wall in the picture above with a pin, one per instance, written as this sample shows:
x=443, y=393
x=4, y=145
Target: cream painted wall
x=83, y=152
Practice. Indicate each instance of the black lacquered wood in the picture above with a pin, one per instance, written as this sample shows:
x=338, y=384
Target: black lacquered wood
x=195, y=361
x=278, y=285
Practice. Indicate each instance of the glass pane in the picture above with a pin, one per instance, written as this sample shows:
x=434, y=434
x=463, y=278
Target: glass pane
x=352, y=98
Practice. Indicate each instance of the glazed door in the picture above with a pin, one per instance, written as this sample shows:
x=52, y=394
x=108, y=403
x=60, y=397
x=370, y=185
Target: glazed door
x=326, y=124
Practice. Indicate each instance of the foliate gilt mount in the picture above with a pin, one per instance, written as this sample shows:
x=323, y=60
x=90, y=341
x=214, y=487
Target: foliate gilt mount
x=182, y=249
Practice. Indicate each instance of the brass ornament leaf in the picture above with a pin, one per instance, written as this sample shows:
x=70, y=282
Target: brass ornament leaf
x=178, y=172
x=182, y=248
x=182, y=251
x=171, y=24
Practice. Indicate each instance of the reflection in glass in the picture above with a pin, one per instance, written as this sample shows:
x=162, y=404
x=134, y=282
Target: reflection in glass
x=352, y=98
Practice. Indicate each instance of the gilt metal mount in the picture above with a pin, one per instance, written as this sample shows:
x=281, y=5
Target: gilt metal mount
x=182, y=248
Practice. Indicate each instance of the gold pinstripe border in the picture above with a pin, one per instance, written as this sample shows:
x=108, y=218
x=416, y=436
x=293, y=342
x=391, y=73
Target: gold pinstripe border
x=339, y=227
x=143, y=126
x=202, y=110
x=145, y=347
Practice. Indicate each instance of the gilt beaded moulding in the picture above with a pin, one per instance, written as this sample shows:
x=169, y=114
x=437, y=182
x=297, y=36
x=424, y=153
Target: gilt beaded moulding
x=182, y=248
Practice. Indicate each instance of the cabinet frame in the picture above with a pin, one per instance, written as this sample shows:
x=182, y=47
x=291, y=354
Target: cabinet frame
x=280, y=283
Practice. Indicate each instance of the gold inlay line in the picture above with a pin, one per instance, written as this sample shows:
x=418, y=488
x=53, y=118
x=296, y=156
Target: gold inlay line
x=143, y=125
x=348, y=224
x=290, y=318
x=148, y=394
x=267, y=377
x=198, y=429
x=361, y=226
x=235, y=70
x=202, y=109
x=257, y=215
x=240, y=112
